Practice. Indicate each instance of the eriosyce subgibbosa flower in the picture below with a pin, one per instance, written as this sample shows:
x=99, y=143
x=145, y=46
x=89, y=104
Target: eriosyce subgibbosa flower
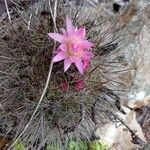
x=73, y=48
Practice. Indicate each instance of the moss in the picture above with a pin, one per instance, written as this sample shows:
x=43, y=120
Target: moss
x=19, y=146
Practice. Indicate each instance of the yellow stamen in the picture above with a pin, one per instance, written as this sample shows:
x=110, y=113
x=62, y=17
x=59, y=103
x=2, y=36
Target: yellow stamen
x=70, y=52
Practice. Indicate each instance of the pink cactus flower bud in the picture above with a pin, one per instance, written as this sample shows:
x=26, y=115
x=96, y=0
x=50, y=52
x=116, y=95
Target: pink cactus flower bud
x=79, y=85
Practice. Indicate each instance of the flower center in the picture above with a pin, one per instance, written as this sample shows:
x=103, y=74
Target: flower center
x=73, y=49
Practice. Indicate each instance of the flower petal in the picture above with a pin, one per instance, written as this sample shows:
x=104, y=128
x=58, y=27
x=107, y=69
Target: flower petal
x=69, y=25
x=60, y=56
x=57, y=37
x=86, y=44
x=87, y=55
x=81, y=32
x=86, y=64
x=64, y=31
x=79, y=65
x=67, y=64
x=62, y=47
x=73, y=59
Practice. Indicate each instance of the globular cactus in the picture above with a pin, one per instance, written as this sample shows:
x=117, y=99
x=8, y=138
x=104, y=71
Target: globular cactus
x=75, y=105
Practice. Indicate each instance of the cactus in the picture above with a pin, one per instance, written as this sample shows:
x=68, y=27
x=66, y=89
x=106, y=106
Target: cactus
x=62, y=114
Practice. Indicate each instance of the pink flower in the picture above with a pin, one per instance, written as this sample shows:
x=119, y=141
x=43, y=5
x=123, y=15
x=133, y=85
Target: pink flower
x=64, y=86
x=86, y=64
x=79, y=85
x=73, y=46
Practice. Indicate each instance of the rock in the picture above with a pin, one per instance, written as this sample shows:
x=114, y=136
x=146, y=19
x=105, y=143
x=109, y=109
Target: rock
x=142, y=110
